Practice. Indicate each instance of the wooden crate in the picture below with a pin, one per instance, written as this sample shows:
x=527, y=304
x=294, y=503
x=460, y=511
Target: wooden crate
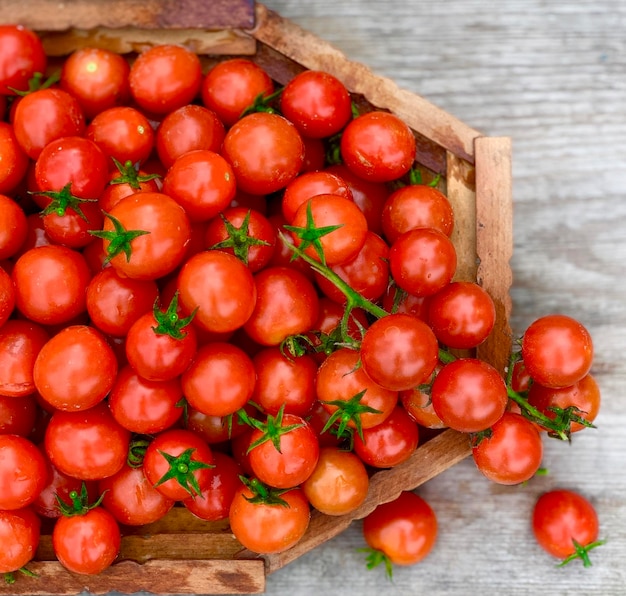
x=180, y=553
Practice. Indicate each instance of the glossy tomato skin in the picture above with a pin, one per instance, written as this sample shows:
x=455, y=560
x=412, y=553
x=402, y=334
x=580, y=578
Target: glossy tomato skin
x=266, y=529
x=220, y=380
x=286, y=304
x=50, y=284
x=19, y=533
x=164, y=78
x=143, y=406
x=131, y=499
x=20, y=343
x=21, y=56
x=162, y=250
x=265, y=151
x=14, y=161
x=188, y=128
x=7, y=296
x=469, y=395
x=87, y=544
x=75, y=369
x=512, y=453
x=389, y=443
x=561, y=516
x=232, y=85
x=214, y=502
x=557, y=350
x=404, y=529
x=317, y=103
x=23, y=472
x=399, y=352
x=221, y=287
x=45, y=116
x=174, y=442
x=87, y=444
x=378, y=146
x=296, y=459
x=339, y=483
x=13, y=228
x=97, y=77
x=17, y=415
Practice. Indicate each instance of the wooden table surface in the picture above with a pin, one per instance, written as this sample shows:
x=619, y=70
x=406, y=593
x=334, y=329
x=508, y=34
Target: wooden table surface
x=551, y=75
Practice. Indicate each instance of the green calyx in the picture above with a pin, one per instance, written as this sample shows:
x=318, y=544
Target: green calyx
x=263, y=494
x=79, y=502
x=272, y=429
x=375, y=557
x=348, y=411
x=62, y=200
x=239, y=239
x=264, y=103
x=168, y=321
x=9, y=577
x=137, y=450
x=37, y=82
x=311, y=235
x=182, y=469
x=119, y=238
x=581, y=552
x=129, y=174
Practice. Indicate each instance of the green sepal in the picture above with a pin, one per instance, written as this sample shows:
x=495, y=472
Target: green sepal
x=168, y=321
x=347, y=411
x=581, y=552
x=62, y=200
x=182, y=469
x=263, y=494
x=239, y=239
x=129, y=174
x=119, y=238
x=80, y=502
x=375, y=557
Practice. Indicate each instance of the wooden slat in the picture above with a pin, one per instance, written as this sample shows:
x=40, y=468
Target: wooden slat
x=50, y=15
x=305, y=48
x=429, y=460
x=494, y=239
x=158, y=577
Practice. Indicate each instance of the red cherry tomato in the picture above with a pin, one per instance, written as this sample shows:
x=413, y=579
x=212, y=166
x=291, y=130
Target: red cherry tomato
x=21, y=56
x=14, y=163
x=23, y=472
x=19, y=533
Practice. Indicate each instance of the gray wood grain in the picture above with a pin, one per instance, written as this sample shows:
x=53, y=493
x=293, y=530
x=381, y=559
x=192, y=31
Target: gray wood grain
x=551, y=75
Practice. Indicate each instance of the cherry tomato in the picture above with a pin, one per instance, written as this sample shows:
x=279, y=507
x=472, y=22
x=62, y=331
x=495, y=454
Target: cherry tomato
x=221, y=287
x=44, y=116
x=565, y=524
x=512, y=452
x=317, y=103
x=20, y=343
x=265, y=151
x=114, y=302
x=583, y=395
x=178, y=464
x=23, y=472
x=21, y=56
x=419, y=407
x=269, y=528
x=131, y=498
x=202, y=182
x=389, y=443
x=338, y=245
x=557, y=350
x=50, y=284
x=404, y=530
x=87, y=444
x=217, y=429
x=14, y=162
x=75, y=369
x=188, y=128
x=122, y=132
x=285, y=452
x=160, y=248
x=422, y=261
x=416, y=206
x=13, y=227
x=220, y=380
x=87, y=543
x=214, y=502
x=339, y=483
x=469, y=395
x=19, y=534
x=461, y=315
x=143, y=406
x=398, y=301
x=399, y=352
x=232, y=85
x=378, y=146
x=286, y=304
x=121, y=185
x=282, y=381
x=165, y=77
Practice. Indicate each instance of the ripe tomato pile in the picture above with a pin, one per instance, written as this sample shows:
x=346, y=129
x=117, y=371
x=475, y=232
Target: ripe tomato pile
x=223, y=295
